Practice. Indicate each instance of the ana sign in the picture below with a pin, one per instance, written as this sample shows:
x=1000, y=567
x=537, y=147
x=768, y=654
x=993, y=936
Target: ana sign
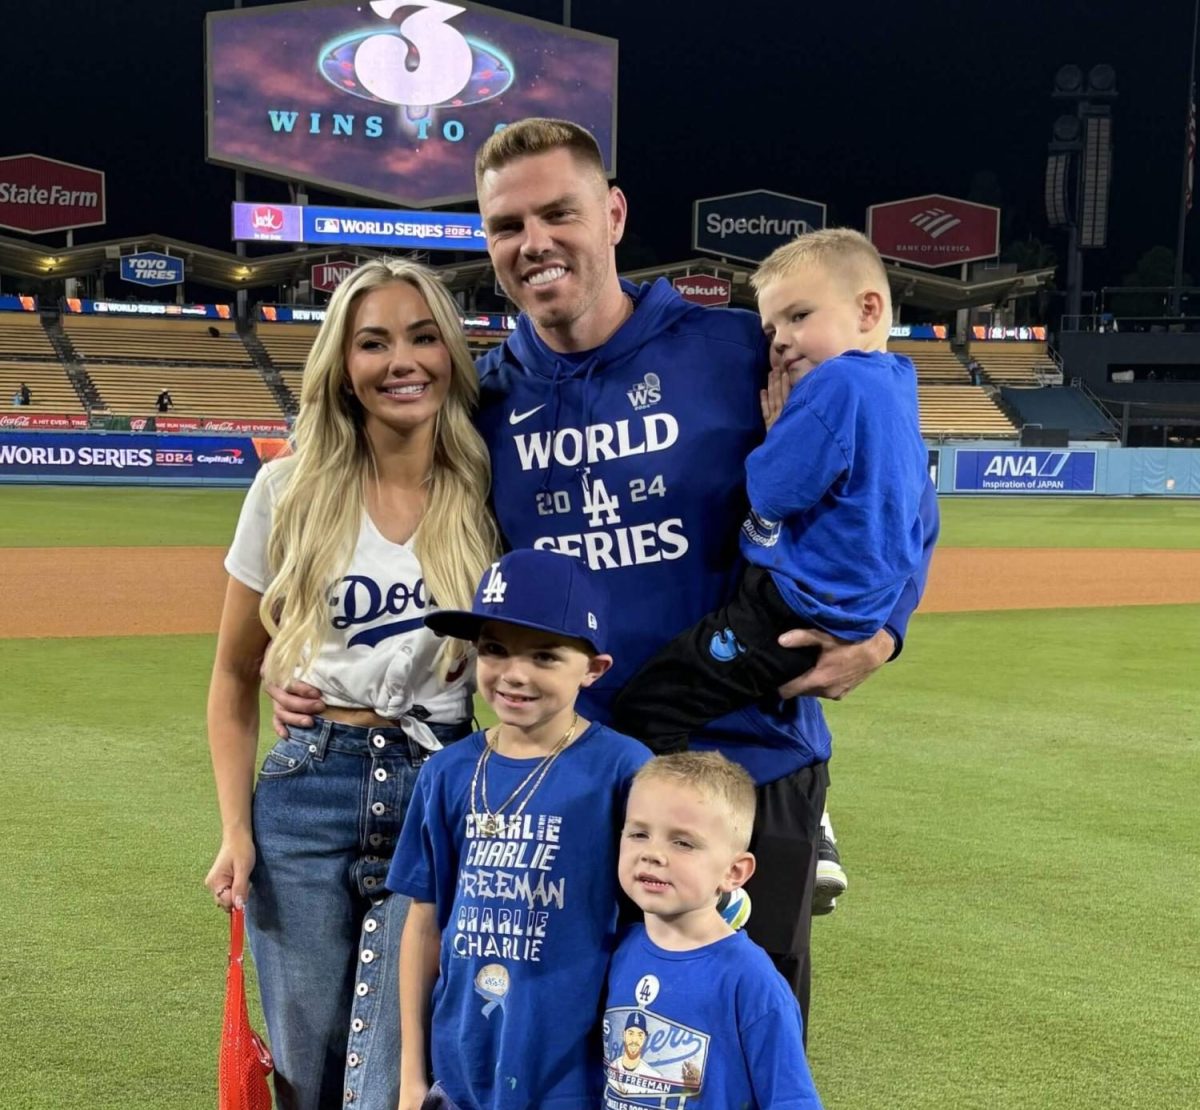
x=152, y=268
x=749, y=226
x=934, y=230
x=1025, y=471
x=391, y=98
x=38, y=195
x=704, y=289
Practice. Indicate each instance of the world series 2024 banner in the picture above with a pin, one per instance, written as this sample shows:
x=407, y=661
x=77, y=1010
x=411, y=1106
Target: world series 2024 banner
x=391, y=98
x=135, y=458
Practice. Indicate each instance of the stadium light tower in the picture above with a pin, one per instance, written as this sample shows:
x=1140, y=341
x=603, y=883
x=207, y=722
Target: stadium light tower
x=1079, y=167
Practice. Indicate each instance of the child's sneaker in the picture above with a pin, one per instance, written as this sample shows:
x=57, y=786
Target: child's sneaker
x=734, y=906
x=831, y=879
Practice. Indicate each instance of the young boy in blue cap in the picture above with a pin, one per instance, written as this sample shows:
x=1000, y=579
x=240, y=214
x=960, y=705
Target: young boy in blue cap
x=509, y=852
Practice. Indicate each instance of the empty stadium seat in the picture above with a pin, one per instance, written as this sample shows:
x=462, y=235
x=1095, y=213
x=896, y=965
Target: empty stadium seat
x=936, y=363
x=197, y=391
x=126, y=341
x=961, y=412
x=22, y=335
x=1012, y=363
x=50, y=388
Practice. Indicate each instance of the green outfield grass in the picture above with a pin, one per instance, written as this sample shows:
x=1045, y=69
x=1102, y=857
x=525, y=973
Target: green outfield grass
x=1069, y=522
x=1014, y=800
x=75, y=516
x=117, y=516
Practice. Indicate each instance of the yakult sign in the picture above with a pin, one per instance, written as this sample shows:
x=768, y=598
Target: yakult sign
x=39, y=195
x=703, y=289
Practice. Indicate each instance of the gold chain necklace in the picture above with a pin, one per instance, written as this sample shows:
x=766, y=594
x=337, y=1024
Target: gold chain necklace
x=488, y=822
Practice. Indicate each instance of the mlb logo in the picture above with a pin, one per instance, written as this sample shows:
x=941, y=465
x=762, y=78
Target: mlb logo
x=326, y=225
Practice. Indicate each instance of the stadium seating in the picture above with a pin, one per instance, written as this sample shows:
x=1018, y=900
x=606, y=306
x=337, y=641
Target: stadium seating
x=49, y=387
x=961, y=412
x=182, y=342
x=22, y=335
x=219, y=392
x=936, y=363
x=287, y=345
x=1010, y=363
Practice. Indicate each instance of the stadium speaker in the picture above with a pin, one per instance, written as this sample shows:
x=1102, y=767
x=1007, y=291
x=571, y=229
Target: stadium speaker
x=1057, y=166
x=1097, y=170
x=1033, y=436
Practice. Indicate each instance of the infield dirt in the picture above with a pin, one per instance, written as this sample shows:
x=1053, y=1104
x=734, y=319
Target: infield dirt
x=151, y=591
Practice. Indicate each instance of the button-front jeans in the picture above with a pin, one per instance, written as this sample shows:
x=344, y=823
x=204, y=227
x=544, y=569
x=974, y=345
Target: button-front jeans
x=325, y=934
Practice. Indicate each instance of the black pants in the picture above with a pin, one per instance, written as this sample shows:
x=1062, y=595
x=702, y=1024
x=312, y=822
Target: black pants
x=728, y=660
x=784, y=842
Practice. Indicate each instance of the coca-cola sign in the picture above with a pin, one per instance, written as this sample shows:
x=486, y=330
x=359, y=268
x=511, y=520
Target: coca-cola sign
x=204, y=424
x=41, y=421
x=704, y=289
x=39, y=194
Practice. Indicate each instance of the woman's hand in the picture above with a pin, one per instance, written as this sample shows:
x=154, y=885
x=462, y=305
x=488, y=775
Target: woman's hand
x=229, y=876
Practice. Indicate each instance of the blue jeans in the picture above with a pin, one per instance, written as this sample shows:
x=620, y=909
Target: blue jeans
x=325, y=934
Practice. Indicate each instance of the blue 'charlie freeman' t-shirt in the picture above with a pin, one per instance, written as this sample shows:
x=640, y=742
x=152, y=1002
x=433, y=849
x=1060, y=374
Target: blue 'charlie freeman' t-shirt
x=528, y=917
x=838, y=494
x=714, y=1028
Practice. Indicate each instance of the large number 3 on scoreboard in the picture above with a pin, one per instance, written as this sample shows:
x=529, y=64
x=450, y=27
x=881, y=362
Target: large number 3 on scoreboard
x=429, y=63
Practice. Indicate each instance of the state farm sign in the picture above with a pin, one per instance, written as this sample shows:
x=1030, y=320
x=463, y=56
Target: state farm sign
x=934, y=230
x=39, y=194
x=703, y=289
x=327, y=276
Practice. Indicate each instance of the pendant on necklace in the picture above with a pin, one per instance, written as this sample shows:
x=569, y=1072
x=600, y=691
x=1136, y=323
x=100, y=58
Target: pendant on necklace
x=488, y=824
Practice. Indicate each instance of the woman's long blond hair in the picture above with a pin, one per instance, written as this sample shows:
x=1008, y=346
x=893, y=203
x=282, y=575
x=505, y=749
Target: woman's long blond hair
x=319, y=512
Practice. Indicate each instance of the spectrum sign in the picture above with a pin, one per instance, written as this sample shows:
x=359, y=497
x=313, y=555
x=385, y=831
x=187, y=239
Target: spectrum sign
x=359, y=227
x=391, y=98
x=934, y=230
x=38, y=195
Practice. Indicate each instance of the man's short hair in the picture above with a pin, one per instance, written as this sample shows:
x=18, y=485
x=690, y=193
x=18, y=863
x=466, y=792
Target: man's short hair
x=535, y=135
x=840, y=249
x=713, y=776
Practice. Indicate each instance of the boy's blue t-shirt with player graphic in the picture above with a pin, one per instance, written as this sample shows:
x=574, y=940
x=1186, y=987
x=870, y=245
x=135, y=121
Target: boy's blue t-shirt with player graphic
x=528, y=917
x=714, y=1027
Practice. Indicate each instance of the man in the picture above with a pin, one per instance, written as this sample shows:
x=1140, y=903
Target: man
x=618, y=420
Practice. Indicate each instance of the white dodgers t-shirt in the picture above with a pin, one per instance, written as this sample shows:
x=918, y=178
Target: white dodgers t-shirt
x=377, y=653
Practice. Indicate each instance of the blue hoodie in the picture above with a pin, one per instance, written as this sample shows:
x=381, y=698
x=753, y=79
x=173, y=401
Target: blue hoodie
x=632, y=457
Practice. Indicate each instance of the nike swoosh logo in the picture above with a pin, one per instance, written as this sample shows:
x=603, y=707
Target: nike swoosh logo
x=515, y=417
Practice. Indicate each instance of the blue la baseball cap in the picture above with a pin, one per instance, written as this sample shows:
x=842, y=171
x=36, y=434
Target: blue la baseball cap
x=636, y=1020
x=534, y=589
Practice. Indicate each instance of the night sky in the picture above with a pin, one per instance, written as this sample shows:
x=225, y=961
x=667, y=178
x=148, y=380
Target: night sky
x=846, y=103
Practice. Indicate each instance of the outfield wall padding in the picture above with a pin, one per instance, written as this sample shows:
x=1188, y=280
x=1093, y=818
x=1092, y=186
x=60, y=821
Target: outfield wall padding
x=980, y=468
x=985, y=469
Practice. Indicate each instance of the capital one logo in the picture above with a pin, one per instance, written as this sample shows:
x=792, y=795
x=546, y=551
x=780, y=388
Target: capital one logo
x=420, y=62
x=935, y=221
